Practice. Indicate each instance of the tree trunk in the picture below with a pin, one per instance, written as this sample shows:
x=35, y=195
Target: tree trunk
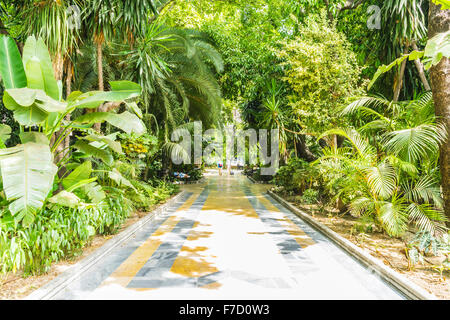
x=58, y=70
x=58, y=66
x=303, y=150
x=68, y=92
x=100, y=77
x=439, y=21
x=401, y=74
x=421, y=70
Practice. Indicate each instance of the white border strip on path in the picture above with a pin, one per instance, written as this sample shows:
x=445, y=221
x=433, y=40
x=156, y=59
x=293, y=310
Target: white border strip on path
x=401, y=283
x=52, y=288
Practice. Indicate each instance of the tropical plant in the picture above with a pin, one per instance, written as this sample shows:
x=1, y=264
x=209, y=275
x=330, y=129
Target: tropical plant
x=391, y=179
x=35, y=98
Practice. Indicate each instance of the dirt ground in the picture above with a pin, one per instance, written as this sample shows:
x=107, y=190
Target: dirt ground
x=389, y=250
x=15, y=286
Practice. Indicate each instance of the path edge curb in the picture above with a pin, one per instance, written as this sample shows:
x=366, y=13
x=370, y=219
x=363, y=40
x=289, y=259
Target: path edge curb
x=401, y=283
x=52, y=288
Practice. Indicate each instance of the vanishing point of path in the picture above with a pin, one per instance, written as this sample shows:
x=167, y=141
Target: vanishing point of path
x=227, y=239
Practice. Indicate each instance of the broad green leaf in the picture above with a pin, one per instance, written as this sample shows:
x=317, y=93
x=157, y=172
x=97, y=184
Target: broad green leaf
x=81, y=184
x=122, y=90
x=114, y=145
x=27, y=172
x=37, y=50
x=30, y=116
x=134, y=107
x=95, y=192
x=125, y=86
x=5, y=132
x=126, y=121
x=436, y=48
x=117, y=177
x=34, y=74
x=65, y=199
x=24, y=97
x=90, y=150
x=36, y=137
x=49, y=104
x=74, y=95
x=11, y=67
x=82, y=172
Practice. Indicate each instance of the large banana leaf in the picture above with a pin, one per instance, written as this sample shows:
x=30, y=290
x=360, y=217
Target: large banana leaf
x=11, y=68
x=126, y=121
x=26, y=97
x=26, y=116
x=122, y=90
x=117, y=177
x=5, y=133
x=28, y=172
x=85, y=147
x=66, y=199
x=95, y=192
x=37, y=137
x=105, y=140
x=82, y=172
x=38, y=67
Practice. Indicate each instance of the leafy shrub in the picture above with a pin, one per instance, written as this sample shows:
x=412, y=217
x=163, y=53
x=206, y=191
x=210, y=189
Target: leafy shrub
x=298, y=176
x=61, y=232
x=310, y=196
x=423, y=244
x=323, y=72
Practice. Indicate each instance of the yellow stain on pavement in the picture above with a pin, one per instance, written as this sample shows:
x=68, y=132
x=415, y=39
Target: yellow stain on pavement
x=131, y=266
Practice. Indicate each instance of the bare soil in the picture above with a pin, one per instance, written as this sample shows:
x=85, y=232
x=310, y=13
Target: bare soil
x=17, y=286
x=391, y=251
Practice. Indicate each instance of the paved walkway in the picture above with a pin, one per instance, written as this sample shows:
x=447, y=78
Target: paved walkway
x=226, y=239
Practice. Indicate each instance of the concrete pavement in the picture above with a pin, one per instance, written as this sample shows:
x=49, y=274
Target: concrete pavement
x=227, y=239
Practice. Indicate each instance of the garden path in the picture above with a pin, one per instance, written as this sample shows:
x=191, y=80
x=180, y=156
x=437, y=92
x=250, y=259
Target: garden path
x=227, y=239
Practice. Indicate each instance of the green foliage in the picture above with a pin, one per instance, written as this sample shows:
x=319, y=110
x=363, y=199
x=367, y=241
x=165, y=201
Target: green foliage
x=57, y=233
x=310, y=196
x=391, y=179
x=323, y=73
x=423, y=244
x=297, y=176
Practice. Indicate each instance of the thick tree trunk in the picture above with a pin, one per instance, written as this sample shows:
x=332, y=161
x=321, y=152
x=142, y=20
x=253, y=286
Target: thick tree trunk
x=58, y=66
x=101, y=86
x=439, y=21
x=421, y=70
x=401, y=74
x=58, y=70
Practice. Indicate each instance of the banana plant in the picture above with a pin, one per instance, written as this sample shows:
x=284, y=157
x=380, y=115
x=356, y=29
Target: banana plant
x=35, y=98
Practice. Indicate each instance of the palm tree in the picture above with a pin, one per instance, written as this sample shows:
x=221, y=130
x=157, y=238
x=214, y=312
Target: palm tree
x=393, y=178
x=109, y=19
x=173, y=68
x=378, y=188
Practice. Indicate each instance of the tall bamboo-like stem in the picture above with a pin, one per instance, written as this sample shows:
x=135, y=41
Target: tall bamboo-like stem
x=101, y=86
x=421, y=69
x=401, y=74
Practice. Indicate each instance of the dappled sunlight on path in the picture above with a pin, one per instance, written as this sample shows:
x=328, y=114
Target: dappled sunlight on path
x=228, y=239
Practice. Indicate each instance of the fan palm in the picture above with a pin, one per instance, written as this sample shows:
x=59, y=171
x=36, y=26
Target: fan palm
x=174, y=69
x=375, y=187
